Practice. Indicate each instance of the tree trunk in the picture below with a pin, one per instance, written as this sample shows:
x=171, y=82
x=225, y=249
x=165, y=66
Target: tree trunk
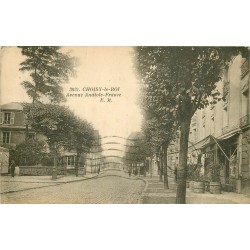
x=33, y=98
x=182, y=168
x=160, y=169
x=151, y=167
x=26, y=132
x=54, y=170
x=165, y=169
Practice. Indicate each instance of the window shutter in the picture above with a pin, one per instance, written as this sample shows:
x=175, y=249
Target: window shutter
x=1, y=117
x=12, y=116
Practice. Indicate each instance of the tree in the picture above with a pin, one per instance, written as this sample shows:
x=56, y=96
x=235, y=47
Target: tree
x=53, y=121
x=82, y=138
x=159, y=134
x=48, y=69
x=136, y=150
x=159, y=125
x=186, y=77
x=29, y=153
x=61, y=128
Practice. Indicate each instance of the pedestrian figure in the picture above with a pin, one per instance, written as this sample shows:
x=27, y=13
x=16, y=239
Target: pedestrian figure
x=136, y=172
x=12, y=168
x=129, y=171
x=98, y=170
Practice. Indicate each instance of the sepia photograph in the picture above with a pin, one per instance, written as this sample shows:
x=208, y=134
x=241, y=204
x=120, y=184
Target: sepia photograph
x=124, y=125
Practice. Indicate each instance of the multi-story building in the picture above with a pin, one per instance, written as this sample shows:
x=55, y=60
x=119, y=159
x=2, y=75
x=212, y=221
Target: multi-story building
x=13, y=130
x=220, y=133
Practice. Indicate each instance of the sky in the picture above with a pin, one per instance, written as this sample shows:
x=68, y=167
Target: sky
x=103, y=67
x=99, y=67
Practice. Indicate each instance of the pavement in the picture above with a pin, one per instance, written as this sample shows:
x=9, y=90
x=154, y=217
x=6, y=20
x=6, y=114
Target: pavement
x=10, y=184
x=109, y=187
x=154, y=193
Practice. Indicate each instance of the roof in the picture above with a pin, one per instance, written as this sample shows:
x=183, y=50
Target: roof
x=12, y=106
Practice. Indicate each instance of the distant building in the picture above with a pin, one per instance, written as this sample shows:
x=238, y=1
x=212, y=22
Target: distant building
x=94, y=159
x=220, y=133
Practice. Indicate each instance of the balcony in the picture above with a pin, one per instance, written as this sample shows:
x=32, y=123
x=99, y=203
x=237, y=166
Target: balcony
x=230, y=127
x=245, y=120
x=244, y=69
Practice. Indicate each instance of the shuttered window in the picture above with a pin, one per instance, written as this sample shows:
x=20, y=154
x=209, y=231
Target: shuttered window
x=6, y=137
x=12, y=116
x=7, y=117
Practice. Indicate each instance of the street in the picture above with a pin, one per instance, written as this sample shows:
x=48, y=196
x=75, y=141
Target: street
x=110, y=187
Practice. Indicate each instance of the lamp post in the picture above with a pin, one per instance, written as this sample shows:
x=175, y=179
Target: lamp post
x=54, y=169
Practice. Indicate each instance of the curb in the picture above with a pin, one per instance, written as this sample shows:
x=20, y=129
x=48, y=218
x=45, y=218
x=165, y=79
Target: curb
x=143, y=193
x=52, y=184
x=64, y=182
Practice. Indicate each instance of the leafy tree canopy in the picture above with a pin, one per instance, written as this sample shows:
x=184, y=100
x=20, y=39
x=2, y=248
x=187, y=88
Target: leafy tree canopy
x=29, y=153
x=49, y=69
x=60, y=126
x=180, y=79
x=137, y=148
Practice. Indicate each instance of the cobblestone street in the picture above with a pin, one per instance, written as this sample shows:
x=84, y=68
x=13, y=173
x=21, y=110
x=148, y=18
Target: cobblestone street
x=110, y=187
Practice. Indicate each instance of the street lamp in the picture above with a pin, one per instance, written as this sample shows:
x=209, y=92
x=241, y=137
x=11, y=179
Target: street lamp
x=54, y=169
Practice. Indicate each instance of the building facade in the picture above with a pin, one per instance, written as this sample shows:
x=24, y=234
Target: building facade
x=13, y=130
x=220, y=133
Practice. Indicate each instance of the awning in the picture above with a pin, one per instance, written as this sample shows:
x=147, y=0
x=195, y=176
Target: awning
x=228, y=135
x=201, y=144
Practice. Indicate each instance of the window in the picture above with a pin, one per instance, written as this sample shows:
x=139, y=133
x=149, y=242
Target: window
x=244, y=103
x=7, y=117
x=70, y=161
x=31, y=136
x=6, y=137
x=203, y=130
x=225, y=117
x=212, y=125
x=195, y=134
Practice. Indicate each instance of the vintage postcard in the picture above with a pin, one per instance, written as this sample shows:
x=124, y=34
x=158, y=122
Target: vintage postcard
x=124, y=125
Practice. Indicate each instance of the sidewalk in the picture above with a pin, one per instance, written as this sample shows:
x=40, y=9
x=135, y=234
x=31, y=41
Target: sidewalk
x=9, y=184
x=154, y=193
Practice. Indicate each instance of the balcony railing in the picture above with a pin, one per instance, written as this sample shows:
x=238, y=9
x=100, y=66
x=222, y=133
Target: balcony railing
x=244, y=69
x=245, y=120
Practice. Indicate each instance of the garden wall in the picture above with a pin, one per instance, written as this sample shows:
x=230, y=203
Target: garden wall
x=40, y=170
